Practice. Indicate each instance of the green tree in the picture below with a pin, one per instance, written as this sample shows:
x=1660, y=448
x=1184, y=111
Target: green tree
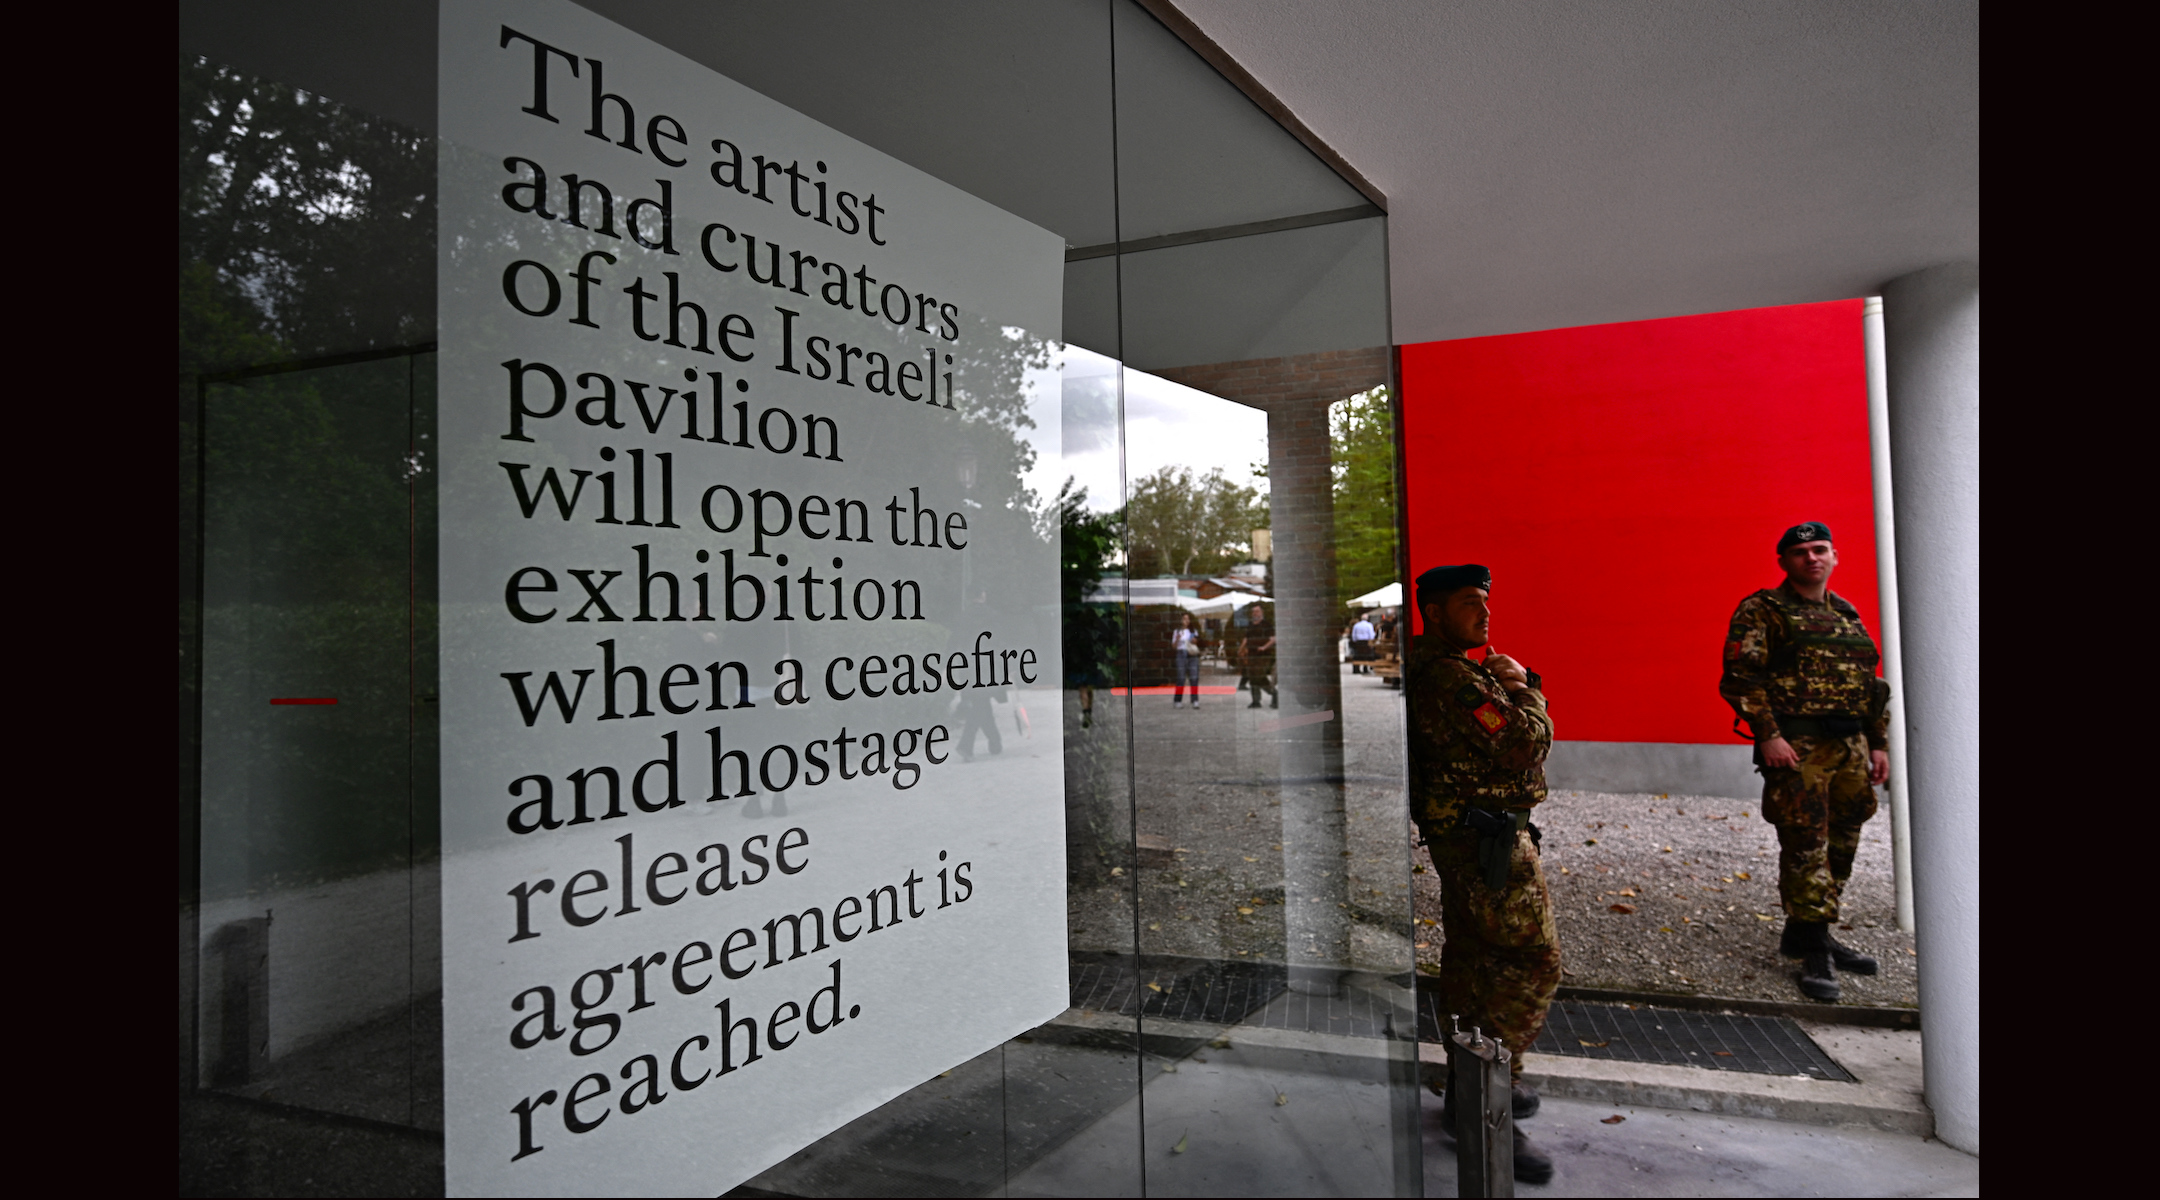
x=1362, y=436
x=1181, y=524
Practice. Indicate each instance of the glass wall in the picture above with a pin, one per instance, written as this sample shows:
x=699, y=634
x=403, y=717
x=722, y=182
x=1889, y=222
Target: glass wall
x=1237, y=854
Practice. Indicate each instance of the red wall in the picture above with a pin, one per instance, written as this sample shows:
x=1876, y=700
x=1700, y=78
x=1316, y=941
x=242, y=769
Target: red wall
x=1627, y=485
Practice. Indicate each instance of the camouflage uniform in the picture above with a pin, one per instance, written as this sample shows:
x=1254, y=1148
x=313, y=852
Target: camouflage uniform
x=1804, y=670
x=1474, y=744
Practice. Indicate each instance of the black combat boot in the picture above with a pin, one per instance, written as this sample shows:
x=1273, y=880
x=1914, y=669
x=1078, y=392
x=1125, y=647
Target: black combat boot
x=1818, y=976
x=1799, y=937
x=1809, y=941
x=1522, y=1100
x=1846, y=958
x=1532, y=1165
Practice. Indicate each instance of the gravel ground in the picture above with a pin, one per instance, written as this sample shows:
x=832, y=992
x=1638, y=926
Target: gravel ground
x=1706, y=916
x=1210, y=784
x=1700, y=876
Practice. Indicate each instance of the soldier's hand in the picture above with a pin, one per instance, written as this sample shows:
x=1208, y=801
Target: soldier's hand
x=1509, y=672
x=1777, y=752
x=1878, y=767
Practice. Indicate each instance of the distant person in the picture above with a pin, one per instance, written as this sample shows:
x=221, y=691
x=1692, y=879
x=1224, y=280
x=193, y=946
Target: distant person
x=973, y=705
x=1478, y=740
x=1800, y=670
x=1361, y=645
x=1259, y=658
x=1185, y=660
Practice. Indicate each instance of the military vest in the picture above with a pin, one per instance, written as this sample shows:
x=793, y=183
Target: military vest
x=1822, y=661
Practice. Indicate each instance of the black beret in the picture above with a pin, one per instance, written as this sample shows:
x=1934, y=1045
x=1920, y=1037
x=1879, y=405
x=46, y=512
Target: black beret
x=1805, y=531
x=1441, y=580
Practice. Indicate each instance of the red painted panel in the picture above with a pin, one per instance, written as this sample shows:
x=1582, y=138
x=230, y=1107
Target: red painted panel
x=1627, y=485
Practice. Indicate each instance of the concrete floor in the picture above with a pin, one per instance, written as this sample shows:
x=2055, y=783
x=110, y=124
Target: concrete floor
x=1661, y=1152
x=1259, y=1120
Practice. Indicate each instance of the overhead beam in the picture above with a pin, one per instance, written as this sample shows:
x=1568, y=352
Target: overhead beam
x=1192, y=237
x=1201, y=44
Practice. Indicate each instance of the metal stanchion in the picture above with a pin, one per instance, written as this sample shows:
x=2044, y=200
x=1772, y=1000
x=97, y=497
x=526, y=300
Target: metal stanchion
x=1484, y=1114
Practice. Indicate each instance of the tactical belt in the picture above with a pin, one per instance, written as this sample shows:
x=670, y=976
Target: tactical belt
x=1818, y=726
x=1496, y=833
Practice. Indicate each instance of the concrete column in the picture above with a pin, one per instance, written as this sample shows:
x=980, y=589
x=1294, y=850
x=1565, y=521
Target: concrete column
x=1931, y=324
x=1878, y=422
x=1301, y=508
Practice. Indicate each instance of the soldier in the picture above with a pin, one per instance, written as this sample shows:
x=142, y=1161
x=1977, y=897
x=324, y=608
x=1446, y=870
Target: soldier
x=1800, y=670
x=1479, y=736
x=1259, y=658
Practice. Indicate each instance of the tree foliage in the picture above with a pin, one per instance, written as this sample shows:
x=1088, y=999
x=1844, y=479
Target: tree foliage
x=1087, y=541
x=301, y=221
x=1362, y=453
x=1179, y=523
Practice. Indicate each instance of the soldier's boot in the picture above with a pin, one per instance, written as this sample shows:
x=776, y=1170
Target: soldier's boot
x=1523, y=1099
x=1818, y=976
x=1845, y=958
x=1809, y=941
x=1532, y=1165
x=1800, y=937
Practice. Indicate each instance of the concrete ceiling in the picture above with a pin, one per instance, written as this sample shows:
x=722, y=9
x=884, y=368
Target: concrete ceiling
x=1552, y=164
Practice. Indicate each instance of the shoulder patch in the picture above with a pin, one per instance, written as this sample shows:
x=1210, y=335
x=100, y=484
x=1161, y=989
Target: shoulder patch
x=1490, y=717
x=1470, y=696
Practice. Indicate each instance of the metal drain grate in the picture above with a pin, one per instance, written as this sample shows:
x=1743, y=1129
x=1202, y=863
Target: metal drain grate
x=1214, y=992
x=1197, y=990
x=1712, y=1041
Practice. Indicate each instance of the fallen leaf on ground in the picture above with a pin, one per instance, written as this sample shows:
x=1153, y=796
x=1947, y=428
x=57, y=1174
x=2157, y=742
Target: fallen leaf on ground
x=1591, y=842
x=1244, y=912
x=1595, y=1045
x=1154, y=987
x=1157, y=925
x=1666, y=850
x=1667, y=929
x=1626, y=891
x=1221, y=1043
x=1180, y=1147
x=1614, y=1119
x=1622, y=909
x=1764, y=917
x=1424, y=945
x=943, y=1074
x=1281, y=1098
x=1250, y=858
x=1742, y=874
x=1722, y=1053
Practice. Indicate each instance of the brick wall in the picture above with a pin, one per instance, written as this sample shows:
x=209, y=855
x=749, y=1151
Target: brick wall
x=1295, y=393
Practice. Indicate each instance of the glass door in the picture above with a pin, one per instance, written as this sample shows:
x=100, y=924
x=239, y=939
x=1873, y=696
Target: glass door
x=1236, y=854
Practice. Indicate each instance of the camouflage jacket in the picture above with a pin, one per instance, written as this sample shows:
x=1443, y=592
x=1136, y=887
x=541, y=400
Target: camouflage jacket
x=1787, y=654
x=1472, y=742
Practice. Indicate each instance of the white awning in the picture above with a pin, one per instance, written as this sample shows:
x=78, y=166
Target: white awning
x=1387, y=597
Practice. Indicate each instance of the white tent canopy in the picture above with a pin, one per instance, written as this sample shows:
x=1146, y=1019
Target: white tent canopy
x=1387, y=597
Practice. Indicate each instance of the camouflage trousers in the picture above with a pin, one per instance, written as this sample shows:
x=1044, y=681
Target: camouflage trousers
x=1818, y=810
x=1500, y=964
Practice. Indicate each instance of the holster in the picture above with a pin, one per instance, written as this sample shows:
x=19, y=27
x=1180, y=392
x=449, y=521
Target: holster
x=1496, y=840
